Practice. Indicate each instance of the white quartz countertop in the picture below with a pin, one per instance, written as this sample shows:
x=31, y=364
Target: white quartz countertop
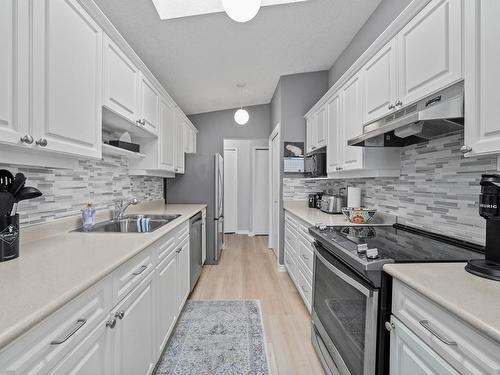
x=314, y=216
x=52, y=271
x=473, y=299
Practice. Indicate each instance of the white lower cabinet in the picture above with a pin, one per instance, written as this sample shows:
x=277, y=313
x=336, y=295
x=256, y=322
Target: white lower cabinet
x=119, y=326
x=299, y=256
x=183, y=277
x=410, y=355
x=166, y=279
x=428, y=339
x=134, y=331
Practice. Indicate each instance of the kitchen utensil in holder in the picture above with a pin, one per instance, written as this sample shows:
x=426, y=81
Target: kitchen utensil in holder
x=9, y=237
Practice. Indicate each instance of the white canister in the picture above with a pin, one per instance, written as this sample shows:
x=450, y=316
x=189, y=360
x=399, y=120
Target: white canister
x=353, y=197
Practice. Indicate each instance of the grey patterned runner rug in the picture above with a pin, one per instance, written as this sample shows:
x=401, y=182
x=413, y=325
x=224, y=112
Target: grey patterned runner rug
x=217, y=338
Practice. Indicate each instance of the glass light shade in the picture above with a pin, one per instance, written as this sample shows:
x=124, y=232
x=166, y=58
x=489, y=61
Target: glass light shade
x=241, y=116
x=241, y=10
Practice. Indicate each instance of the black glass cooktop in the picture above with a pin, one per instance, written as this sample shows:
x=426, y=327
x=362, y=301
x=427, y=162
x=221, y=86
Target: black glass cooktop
x=395, y=244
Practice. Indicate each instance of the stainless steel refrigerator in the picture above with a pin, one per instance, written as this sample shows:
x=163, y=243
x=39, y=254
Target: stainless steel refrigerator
x=203, y=182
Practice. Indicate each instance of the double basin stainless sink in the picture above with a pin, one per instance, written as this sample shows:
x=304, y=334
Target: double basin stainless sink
x=132, y=224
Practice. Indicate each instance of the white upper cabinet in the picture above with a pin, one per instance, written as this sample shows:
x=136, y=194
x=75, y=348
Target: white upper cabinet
x=310, y=133
x=482, y=77
x=321, y=128
x=179, y=142
x=352, y=156
x=67, y=79
x=167, y=131
x=13, y=126
x=121, y=80
x=316, y=130
x=430, y=51
x=189, y=138
x=380, y=83
x=334, y=123
x=149, y=105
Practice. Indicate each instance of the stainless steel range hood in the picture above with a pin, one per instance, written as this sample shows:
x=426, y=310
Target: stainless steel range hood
x=434, y=116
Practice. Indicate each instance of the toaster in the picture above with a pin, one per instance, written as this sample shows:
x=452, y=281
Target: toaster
x=332, y=204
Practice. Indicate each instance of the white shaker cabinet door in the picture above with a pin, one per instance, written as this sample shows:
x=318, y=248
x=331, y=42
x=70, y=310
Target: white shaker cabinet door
x=14, y=42
x=167, y=131
x=183, y=277
x=149, y=99
x=120, y=79
x=67, y=78
x=166, y=309
x=134, y=333
x=311, y=133
x=179, y=143
x=482, y=77
x=321, y=128
x=334, y=123
x=380, y=83
x=411, y=356
x=352, y=156
x=430, y=51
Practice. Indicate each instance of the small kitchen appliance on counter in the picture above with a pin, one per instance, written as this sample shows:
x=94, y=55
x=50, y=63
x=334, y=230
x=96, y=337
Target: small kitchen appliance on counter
x=332, y=204
x=489, y=201
x=351, y=295
x=312, y=200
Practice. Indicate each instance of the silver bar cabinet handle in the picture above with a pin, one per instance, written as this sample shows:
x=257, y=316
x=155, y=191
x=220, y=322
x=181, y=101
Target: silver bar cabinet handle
x=78, y=324
x=140, y=270
x=427, y=326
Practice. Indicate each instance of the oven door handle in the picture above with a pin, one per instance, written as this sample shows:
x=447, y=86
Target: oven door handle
x=358, y=286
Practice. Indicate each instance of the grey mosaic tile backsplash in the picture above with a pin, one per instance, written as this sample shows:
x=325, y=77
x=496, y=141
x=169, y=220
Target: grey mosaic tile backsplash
x=438, y=189
x=65, y=192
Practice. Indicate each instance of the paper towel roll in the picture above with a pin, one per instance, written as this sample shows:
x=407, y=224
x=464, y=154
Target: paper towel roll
x=353, y=197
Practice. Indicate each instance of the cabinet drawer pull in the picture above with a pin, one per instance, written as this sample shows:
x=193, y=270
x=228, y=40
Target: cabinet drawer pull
x=140, y=270
x=427, y=326
x=27, y=139
x=120, y=314
x=304, y=257
x=305, y=289
x=78, y=324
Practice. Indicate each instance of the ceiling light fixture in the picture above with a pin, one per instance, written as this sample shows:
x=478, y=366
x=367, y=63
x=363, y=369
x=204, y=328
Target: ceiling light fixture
x=241, y=116
x=241, y=10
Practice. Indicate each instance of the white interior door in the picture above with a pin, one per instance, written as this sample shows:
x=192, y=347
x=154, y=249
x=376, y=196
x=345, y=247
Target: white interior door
x=230, y=190
x=261, y=191
x=275, y=189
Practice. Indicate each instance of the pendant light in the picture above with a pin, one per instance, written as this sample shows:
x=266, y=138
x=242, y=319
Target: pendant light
x=241, y=116
x=241, y=10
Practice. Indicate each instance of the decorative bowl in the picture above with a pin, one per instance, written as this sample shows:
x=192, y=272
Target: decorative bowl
x=359, y=215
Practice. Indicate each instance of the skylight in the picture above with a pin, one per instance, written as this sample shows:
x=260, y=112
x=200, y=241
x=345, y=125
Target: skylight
x=168, y=9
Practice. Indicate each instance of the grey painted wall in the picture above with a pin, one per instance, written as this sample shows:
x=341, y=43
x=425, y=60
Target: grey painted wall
x=213, y=127
x=276, y=107
x=245, y=178
x=293, y=98
x=382, y=17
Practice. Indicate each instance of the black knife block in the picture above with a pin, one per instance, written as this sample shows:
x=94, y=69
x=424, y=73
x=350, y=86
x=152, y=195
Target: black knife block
x=9, y=237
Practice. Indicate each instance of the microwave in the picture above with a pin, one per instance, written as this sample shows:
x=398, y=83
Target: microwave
x=315, y=165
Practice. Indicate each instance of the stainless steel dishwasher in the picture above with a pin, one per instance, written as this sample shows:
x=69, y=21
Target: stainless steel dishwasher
x=195, y=248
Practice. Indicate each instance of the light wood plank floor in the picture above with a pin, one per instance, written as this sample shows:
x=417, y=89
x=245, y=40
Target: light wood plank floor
x=248, y=270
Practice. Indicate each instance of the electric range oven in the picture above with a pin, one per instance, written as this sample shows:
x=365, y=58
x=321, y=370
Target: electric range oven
x=352, y=295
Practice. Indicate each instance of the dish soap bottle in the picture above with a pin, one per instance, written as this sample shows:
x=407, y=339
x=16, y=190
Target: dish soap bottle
x=88, y=217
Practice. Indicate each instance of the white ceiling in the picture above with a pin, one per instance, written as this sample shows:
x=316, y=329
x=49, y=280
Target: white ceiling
x=200, y=59
x=168, y=9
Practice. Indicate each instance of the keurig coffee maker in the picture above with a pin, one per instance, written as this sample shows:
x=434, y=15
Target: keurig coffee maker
x=489, y=201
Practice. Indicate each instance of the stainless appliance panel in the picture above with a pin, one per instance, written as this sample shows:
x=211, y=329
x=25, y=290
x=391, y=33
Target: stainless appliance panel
x=345, y=309
x=195, y=244
x=219, y=237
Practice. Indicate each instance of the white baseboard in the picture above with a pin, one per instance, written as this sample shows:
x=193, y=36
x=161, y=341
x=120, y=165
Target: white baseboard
x=251, y=234
x=242, y=231
x=281, y=268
